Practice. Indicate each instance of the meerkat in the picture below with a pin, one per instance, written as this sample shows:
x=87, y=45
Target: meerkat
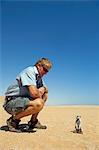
x=78, y=124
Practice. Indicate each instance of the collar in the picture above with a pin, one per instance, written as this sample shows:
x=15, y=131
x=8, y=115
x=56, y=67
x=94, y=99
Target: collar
x=35, y=70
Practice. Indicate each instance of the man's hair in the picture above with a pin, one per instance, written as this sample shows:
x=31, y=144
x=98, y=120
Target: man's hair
x=45, y=62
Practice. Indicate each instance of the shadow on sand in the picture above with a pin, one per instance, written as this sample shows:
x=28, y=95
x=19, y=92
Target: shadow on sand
x=23, y=128
x=77, y=132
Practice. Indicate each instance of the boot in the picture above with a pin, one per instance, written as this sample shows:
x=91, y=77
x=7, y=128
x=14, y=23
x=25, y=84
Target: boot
x=36, y=124
x=13, y=124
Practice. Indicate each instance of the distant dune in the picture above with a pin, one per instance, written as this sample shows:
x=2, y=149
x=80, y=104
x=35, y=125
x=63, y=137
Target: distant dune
x=59, y=135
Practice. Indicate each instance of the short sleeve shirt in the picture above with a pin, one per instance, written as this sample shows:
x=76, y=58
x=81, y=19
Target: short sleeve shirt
x=27, y=77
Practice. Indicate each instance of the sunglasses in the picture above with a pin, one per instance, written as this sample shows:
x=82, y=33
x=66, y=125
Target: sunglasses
x=45, y=70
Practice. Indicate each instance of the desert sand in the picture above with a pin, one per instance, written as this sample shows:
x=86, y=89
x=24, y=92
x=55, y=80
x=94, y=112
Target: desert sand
x=59, y=135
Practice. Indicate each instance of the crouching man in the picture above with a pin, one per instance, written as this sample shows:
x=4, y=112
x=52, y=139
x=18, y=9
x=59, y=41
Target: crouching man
x=27, y=95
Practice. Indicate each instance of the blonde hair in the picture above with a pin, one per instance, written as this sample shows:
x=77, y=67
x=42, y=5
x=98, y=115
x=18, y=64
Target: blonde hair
x=45, y=62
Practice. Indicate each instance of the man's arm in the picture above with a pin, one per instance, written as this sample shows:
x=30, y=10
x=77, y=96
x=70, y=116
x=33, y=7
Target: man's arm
x=45, y=95
x=37, y=93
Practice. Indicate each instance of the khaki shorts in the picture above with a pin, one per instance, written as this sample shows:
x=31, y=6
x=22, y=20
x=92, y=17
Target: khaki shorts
x=16, y=105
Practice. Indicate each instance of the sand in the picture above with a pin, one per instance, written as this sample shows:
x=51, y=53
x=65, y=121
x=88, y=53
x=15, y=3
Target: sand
x=59, y=135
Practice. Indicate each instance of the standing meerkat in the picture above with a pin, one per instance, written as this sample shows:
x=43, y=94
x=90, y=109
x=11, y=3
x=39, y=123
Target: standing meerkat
x=78, y=124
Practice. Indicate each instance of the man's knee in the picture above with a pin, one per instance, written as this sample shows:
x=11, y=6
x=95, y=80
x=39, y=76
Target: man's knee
x=37, y=104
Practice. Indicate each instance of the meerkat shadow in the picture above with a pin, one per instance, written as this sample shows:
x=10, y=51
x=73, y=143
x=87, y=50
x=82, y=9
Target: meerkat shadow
x=77, y=131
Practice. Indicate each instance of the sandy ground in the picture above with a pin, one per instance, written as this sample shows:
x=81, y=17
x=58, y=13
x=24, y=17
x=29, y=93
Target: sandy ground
x=59, y=135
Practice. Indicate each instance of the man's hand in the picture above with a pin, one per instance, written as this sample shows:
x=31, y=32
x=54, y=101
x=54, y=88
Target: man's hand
x=43, y=90
x=45, y=95
x=46, y=90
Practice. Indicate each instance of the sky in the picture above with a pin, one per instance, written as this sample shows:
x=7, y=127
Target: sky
x=66, y=32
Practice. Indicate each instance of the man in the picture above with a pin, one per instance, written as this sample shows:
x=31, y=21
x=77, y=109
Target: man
x=27, y=95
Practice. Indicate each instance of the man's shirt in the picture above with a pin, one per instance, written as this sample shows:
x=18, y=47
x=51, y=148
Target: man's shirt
x=27, y=77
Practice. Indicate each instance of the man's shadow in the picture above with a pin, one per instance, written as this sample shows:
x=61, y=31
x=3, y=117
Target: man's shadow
x=22, y=128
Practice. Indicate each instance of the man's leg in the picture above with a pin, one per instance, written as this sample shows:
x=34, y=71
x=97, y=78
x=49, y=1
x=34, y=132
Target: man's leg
x=44, y=97
x=34, y=123
x=33, y=107
x=34, y=117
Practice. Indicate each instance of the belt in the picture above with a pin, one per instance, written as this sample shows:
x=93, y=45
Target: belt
x=8, y=98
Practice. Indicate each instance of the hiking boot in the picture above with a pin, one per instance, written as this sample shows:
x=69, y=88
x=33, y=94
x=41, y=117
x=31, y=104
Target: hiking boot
x=36, y=124
x=13, y=124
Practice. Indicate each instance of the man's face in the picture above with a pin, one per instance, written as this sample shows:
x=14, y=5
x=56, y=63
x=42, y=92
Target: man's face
x=42, y=70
